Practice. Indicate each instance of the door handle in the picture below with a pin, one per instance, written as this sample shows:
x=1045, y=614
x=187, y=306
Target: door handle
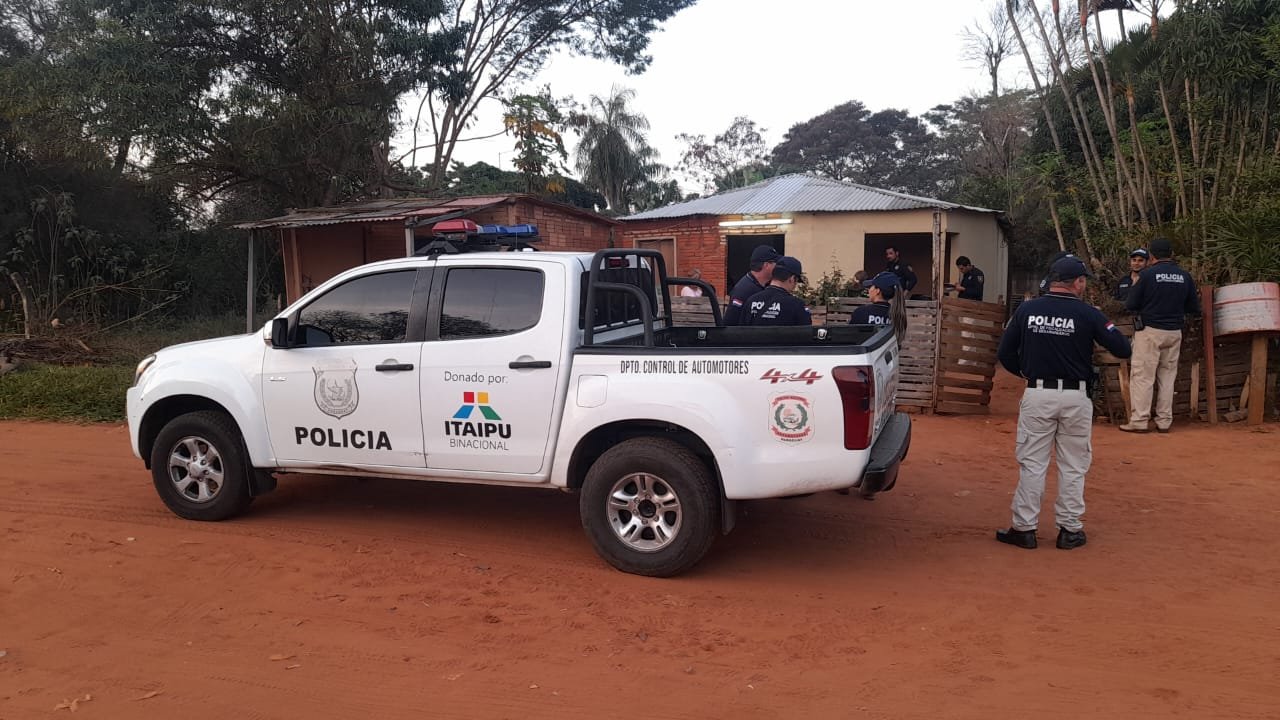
x=393, y=367
x=529, y=364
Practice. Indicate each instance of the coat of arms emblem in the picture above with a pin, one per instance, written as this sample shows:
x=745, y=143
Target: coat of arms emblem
x=336, y=392
x=790, y=418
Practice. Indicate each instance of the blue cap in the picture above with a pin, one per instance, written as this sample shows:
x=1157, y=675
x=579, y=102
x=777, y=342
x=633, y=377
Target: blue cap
x=764, y=254
x=790, y=264
x=884, y=280
x=1069, y=268
x=1140, y=252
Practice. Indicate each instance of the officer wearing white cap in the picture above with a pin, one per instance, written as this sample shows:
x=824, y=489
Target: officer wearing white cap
x=775, y=305
x=759, y=274
x=1137, y=263
x=1049, y=342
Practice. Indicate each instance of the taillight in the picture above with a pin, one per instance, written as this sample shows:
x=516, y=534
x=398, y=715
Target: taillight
x=857, y=384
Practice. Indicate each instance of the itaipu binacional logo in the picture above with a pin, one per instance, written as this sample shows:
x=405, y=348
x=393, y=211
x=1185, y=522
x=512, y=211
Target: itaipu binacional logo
x=476, y=401
x=336, y=392
x=791, y=418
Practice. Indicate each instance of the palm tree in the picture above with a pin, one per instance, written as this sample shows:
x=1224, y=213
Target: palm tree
x=613, y=156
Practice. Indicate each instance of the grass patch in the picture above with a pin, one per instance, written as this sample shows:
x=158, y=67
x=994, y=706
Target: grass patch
x=126, y=346
x=48, y=392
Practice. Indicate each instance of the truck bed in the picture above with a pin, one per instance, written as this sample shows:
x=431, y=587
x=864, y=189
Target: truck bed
x=835, y=339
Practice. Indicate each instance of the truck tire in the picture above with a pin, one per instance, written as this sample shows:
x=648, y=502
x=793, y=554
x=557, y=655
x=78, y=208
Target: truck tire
x=200, y=467
x=650, y=507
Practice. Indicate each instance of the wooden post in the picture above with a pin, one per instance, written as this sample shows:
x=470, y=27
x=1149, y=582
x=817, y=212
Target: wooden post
x=249, y=288
x=1195, y=391
x=1258, y=372
x=1211, y=374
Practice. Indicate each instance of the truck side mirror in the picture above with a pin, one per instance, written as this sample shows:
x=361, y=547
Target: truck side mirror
x=280, y=333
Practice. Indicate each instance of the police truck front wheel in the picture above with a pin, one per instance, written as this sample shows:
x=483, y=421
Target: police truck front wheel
x=650, y=507
x=199, y=467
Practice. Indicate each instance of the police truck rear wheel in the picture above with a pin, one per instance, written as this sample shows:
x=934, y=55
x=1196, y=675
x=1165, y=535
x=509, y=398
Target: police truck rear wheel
x=650, y=507
x=199, y=467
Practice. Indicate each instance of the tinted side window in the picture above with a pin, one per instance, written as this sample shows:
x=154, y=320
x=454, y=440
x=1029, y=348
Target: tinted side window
x=369, y=309
x=482, y=302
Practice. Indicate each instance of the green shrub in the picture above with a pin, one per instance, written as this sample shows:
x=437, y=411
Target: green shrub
x=48, y=392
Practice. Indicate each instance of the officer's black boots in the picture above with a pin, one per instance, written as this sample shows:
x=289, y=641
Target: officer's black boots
x=1025, y=539
x=1068, y=540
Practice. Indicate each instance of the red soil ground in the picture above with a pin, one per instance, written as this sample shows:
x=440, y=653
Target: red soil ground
x=341, y=598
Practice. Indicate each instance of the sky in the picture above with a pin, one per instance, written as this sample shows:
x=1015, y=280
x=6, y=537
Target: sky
x=778, y=63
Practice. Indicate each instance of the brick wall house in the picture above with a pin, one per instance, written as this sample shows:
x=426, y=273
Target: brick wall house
x=318, y=243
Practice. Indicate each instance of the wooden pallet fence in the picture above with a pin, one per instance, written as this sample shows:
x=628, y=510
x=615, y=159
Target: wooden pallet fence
x=918, y=356
x=1232, y=360
x=691, y=311
x=967, y=342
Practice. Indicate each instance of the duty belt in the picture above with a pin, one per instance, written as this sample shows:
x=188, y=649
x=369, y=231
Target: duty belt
x=1054, y=384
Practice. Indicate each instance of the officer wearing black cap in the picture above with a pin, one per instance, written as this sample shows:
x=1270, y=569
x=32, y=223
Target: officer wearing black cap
x=882, y=288
x=1044, y=282
x=775, y=305
x=760, y=273
x=1162, y=298
x=1049, y=342
x=1137, y=263
x=887, y=306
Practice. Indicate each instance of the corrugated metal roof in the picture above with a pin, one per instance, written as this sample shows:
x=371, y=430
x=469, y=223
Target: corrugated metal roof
x=799, y=193
x=400, y=209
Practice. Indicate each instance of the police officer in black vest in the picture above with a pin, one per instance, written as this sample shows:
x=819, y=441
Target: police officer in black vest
x=760, y=273
x=1049, y=342
x=896, y=265
x=971, y=280
x=1137, y=263
x=1162, y=298
x=775, y=305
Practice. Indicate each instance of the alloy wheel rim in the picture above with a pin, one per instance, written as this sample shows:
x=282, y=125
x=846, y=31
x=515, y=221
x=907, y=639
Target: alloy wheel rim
x=195, y=469
x=644, y=512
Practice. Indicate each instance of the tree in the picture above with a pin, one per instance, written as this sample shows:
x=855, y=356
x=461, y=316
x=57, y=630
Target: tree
x=540, y=153
x=889, y=149
x=484, y=179
x=735, y=158
x=989, y=44
x=296, y=97
x=509, y=41
x=613, y=155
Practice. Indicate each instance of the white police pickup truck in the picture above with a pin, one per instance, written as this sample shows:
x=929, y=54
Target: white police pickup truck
x=537, y=369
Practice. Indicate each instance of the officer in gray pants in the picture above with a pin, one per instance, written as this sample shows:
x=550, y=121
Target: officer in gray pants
x=1049, y=342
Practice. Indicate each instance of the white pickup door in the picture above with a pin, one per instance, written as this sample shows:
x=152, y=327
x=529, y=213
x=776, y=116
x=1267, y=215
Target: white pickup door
x=491, y=381
x=347, y=397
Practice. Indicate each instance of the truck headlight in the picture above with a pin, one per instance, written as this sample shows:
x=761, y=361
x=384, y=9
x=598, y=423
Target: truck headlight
x=143, y=366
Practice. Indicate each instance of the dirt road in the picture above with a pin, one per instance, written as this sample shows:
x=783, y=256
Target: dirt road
x=340, y=598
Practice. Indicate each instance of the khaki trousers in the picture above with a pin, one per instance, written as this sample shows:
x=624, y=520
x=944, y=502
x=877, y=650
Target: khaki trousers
x=1060, y=420
x=1154, y=363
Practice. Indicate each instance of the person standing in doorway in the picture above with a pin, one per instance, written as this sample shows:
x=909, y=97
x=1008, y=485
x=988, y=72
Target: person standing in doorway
x=759, y=275
x=776, y=305
x=1137, y=263
x=692, y=290
x=896, y=265
x=971, y=280
x=1049, y=342
x=1161, y=298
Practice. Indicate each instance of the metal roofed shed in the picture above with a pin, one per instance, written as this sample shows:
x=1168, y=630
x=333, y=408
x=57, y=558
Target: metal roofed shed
x=827, y=224
x=318, y=243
